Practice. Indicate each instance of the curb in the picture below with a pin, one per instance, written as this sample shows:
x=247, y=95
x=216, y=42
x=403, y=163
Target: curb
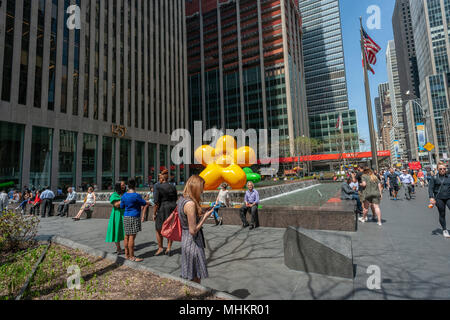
x=137, y=266
x=31, y=275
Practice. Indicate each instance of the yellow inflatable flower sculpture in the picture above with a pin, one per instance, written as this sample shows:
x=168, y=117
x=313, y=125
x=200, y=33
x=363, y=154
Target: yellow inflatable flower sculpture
x=225, y=163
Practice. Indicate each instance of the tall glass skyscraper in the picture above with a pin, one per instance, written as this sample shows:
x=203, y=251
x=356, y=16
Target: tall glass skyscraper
x=326, y=83
x=323, y=53
x=431, y=23
x=245, y=68
x=91, y=105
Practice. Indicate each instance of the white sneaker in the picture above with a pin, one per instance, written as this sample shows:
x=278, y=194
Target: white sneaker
x=380, y=224
x=362, y=220
x=446, y=234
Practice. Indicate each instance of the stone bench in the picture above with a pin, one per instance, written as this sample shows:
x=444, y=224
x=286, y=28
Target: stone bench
x=332, y=216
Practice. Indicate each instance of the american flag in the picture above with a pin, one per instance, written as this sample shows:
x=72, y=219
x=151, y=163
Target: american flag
x=370, y=50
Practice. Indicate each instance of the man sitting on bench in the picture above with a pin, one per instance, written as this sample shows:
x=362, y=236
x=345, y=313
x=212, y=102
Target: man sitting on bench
x=63, y=207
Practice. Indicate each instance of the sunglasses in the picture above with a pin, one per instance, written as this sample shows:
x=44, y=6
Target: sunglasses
x=442, y=169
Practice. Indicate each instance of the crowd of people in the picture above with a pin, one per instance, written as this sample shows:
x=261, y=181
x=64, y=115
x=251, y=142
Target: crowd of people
x=39, y=201
x=367, y=188
x=130, y=210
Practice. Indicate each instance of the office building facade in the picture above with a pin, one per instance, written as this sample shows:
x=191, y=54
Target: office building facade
x=397, y=136
x=245, y=66
x=95, y=104
x=383, y=92
x=326, y=126
x=430, y=21
x=323, y=53
x=408, y=71
x=446, y=116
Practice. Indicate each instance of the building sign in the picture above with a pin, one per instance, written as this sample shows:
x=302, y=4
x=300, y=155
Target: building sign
x=327, y=157
x=421, y=136
x=119, y=131
x=396, y=149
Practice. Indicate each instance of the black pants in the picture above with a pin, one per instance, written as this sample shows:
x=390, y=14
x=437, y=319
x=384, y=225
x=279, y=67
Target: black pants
x=47, y=207
x=254, y=212
x=63, y=208
x=440, y=205
x=35, y=209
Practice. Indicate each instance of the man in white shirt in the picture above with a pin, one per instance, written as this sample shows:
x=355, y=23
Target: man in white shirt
x=63, y=207
x=47, y=202
x=408, y=182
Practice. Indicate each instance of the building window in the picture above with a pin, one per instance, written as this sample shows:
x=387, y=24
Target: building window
x=152, y=158
x=76, y=69
x=9, y=48
x=11, y=146
x=163, y=165
x=39, y=55
x=25, y=50
x=108, y=163
x=125, y=159
x=139, y=159
x=67, y=159
x=52, y=65
x=89, y=165
x=41, y=157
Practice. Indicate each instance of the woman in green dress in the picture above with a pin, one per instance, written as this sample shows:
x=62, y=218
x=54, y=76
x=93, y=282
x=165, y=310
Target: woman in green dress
x=116, y=232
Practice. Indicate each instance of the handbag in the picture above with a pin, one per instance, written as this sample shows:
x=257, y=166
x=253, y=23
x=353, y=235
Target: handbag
x=172, y=227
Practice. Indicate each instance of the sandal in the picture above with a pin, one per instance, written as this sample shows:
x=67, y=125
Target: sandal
x=158, y=253
x=136, y=259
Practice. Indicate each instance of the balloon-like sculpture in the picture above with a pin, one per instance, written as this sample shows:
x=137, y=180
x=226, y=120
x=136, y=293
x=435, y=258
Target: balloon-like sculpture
x=225, y=163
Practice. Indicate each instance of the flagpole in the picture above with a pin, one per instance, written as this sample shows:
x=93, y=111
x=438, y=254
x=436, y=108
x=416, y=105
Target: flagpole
x=373, y=141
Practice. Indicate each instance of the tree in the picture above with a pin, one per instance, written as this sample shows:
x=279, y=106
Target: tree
x=303, y=146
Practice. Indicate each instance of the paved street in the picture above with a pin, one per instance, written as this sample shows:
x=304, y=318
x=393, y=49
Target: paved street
x=409, y=249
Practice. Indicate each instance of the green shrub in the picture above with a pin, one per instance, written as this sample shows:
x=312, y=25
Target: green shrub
x=17, y=231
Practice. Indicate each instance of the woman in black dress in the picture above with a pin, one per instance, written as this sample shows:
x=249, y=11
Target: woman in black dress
x=165, y=203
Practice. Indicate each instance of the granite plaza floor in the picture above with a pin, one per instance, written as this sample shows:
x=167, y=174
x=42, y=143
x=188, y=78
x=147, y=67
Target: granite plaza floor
x=410, y=250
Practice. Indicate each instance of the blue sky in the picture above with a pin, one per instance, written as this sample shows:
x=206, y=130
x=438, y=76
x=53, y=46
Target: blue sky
x=351, y=10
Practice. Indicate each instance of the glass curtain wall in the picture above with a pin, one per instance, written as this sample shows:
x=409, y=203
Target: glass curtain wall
x=125, y=159
x=67, y=159
x=108, y=163
x=11, y=146
x=89, y=165
x=41, y=157
x=139, y=159
x=152, y=158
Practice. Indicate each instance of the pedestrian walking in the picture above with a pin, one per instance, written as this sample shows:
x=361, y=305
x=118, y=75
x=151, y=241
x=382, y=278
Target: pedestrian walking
x=132, y=202
x=192, y=219
x=116, y=233
x=373, y=193
x=408, y=183
x=89, y=203
x=393, y=183
x=165, y=204
x=439, y=192
x=47, y=202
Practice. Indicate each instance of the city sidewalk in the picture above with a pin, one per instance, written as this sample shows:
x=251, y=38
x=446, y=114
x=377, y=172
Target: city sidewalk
x=409, y=249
